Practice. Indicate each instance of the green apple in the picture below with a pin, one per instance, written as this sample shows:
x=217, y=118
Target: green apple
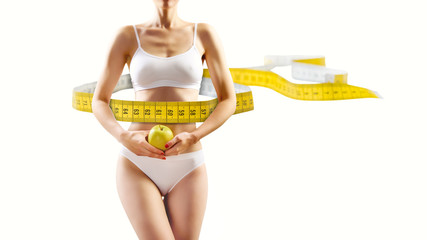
x=160, y=135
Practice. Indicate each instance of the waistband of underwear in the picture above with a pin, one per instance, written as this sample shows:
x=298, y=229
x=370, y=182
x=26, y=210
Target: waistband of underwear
x=197, y=153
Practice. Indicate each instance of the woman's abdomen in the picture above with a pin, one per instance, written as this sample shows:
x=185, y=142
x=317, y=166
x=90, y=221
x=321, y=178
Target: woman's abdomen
x=175, y=127
x=168, y=94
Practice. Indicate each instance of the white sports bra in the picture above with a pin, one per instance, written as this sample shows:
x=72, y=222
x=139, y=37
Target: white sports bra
x=184, y=70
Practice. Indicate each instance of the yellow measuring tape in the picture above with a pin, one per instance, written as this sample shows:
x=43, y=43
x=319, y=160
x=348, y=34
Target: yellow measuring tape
x=332, y=85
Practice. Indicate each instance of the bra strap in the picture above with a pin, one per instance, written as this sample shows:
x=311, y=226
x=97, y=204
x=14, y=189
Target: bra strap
x=136, y=34
x=195, y=34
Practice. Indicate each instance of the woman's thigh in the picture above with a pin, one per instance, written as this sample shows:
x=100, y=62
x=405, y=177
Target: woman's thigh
x=186, y=203
x=142, y=202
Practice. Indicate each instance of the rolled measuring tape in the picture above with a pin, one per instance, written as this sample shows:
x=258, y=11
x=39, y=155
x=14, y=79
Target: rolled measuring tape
x=332, y=85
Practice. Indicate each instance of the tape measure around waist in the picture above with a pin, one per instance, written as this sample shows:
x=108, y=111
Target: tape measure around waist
x=332, y=85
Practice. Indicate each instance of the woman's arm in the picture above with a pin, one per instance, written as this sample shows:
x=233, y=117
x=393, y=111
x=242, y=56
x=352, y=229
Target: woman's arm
x=116, y=59
x=221, y=79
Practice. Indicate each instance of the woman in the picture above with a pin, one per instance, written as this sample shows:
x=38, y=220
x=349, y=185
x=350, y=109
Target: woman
x=164, y=193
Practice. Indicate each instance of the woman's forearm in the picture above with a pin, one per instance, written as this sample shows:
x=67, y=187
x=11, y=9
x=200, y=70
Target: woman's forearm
x=223, y=110
x=105, y=116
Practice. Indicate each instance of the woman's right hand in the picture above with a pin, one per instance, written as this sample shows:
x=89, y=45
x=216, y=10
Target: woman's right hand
x=136, y=141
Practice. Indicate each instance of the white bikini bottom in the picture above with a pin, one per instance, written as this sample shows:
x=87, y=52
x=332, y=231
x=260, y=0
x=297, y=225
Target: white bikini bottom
x=166, y=173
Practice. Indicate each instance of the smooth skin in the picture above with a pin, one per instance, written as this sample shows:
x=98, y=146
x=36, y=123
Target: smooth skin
x=180, y=214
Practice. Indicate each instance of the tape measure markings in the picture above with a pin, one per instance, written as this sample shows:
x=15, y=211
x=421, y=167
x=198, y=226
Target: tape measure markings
x=332, y=86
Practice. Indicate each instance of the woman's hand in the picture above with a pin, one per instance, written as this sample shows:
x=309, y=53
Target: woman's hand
x=180, y=143
x=136, y=141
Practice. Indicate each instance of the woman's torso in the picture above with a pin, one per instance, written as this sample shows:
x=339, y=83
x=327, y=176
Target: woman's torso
x=149, y=39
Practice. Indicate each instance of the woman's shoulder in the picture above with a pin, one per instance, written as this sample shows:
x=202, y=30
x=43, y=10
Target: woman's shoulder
x=123, y=36
x=206, y=31
x=205, y=27
x=125, y=31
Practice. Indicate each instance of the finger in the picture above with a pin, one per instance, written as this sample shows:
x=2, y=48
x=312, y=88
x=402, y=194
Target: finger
x=153, y=155
x=175, y=150
x=172, y=142
x=152, y=149
x=156, y=155
x=171, y=152
x=145, y=152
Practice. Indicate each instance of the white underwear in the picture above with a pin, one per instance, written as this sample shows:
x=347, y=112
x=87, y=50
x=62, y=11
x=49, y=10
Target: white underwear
x=166, y=173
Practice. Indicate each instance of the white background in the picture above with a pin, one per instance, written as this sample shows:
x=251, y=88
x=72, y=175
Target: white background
x=290, y=169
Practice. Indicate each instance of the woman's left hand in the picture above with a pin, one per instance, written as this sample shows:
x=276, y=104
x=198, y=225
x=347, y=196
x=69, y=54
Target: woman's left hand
x=180, y=143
